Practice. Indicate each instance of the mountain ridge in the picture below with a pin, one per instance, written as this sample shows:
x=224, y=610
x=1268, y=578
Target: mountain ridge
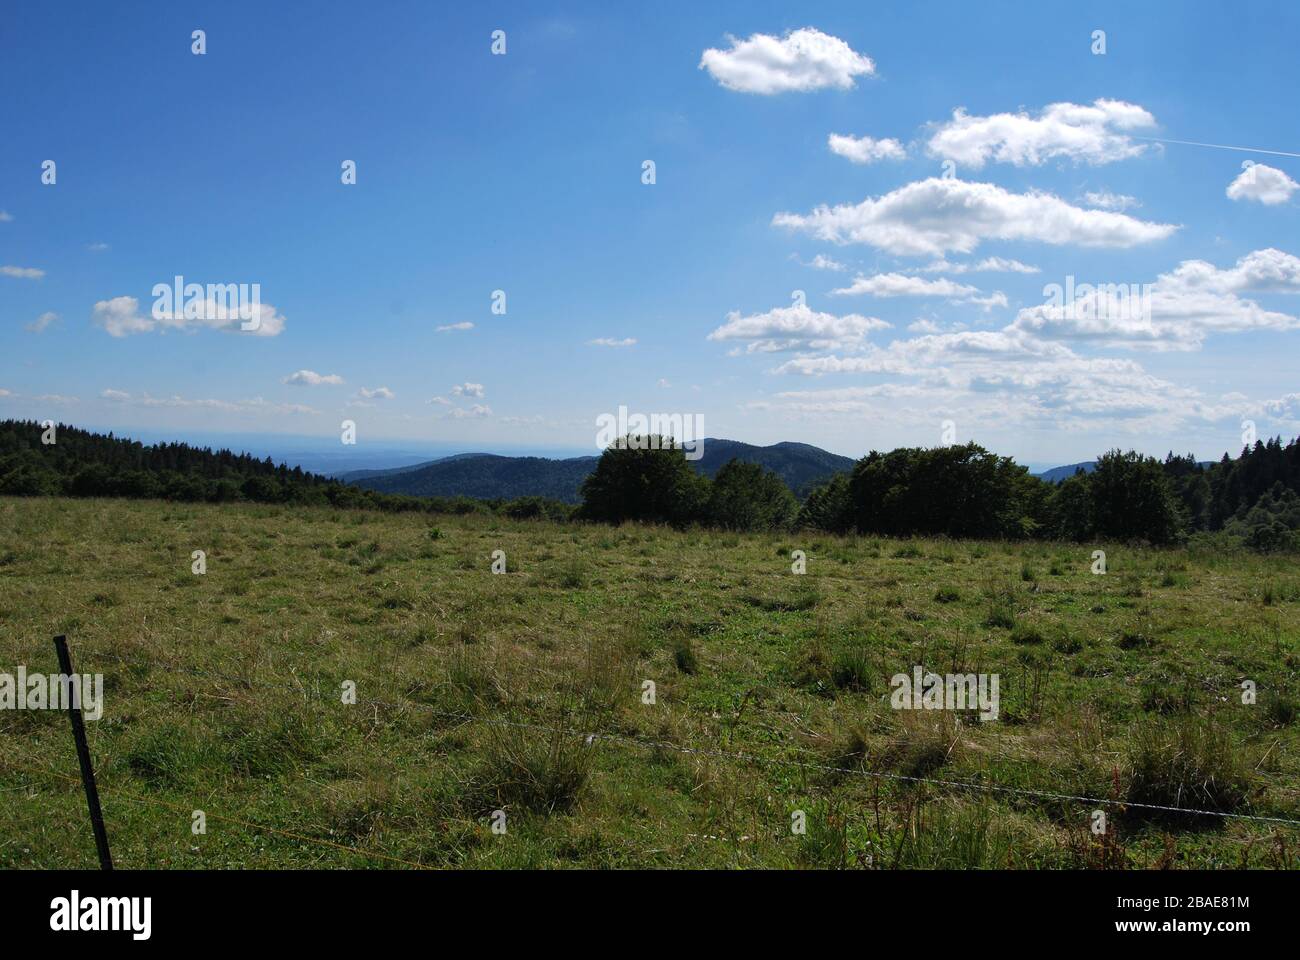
x=490, y=476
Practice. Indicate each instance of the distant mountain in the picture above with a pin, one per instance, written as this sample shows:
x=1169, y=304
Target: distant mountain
x=351, y=476
x=1057, y=474
x=484, y=475
x=801, y=465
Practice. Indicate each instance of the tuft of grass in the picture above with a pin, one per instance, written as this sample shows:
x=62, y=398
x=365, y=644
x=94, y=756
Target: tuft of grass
x=684, y=655
x=1187, y=762
x=851, y=670
x=537, y=771
x=1026, y=635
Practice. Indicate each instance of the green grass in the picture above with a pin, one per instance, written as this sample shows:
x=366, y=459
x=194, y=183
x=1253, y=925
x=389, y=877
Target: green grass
x=772, y=694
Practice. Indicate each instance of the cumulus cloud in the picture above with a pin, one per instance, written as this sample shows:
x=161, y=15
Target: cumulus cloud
x=611, y=342
x=1175, y=312
x=310, y=378
x=440, y=401
x=1004, y=376
x=468, y=389
x=1097, y=133
x=900, y=285
x=937, y=215
x=24, y=273
x=121, y=317
x=375, y=393
x=802, y=60
x=1263, y=184
x=987, y=265
x=865, y=149
x=796, y=327
x=40, y=323
x=476, y=412
x=463, y=325
x=1106, y=200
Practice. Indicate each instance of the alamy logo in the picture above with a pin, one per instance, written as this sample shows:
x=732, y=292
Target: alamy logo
x=134, y=914
x=213, y=303
x=641, y=432
x=950, y=691
x=53, y=691
x=1101, y=301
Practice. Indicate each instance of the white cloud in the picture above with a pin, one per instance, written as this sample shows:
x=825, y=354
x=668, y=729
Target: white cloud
x=923, y=325
x=25, y=273
x=987, y=265
x=254, y=406
x=796, y=327
x=375, y=393
x=933, y=216
x=663, y=383
x=121, y=317
x=468, y=389
x=97, y=247
x=1095, y=134
x=865, y=149
x=611, y=342
x=802, y=60
x=40, y=323
x=441, y=401
x=1005, y=376
x=5, y=216
x=463, y=325
x=1106, y=200
x=820, y=262
x=476, y=412
x=899, y=285
x=310, y=378
x=1177, y=311
x=1263, y=184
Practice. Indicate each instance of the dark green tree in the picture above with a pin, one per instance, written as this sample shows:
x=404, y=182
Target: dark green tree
x=645, y=479
x=745, y=496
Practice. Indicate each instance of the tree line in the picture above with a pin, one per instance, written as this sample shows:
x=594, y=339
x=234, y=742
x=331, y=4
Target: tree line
x=962, y=491
x=965, y=491
x=84, y=464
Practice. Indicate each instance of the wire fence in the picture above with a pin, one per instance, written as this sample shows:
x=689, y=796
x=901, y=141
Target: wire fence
x=592, y=737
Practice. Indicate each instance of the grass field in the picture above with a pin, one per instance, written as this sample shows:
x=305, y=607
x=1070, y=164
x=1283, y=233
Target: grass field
x=223, y=694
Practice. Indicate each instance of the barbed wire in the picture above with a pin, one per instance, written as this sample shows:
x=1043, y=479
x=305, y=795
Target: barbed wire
x=590, y=737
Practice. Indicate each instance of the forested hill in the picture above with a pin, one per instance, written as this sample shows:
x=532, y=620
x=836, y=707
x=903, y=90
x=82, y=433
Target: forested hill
x=485, y=476
x=800, y=465
x=79, y=463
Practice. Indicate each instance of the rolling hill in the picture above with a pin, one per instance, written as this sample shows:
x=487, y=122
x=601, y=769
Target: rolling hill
x=488, y=476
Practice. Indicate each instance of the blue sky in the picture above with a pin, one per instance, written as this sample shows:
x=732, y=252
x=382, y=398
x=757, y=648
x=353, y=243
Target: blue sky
x=523, y=173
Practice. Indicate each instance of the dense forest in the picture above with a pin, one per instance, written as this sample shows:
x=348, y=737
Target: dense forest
x=83, y=464
x=956, y=491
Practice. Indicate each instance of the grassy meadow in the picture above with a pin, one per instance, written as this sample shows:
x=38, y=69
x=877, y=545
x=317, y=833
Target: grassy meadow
x=474, y=690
